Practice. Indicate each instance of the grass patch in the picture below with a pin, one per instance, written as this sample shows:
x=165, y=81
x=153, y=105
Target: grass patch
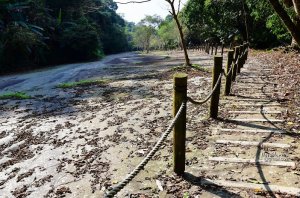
x=82, y=83
x=179, y=68
x=198, y=67
x=15, y=95
x=195, y=66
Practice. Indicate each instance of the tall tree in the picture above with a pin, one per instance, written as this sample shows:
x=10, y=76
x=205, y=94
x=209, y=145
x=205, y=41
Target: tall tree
x=292, y=21
x=145, y=30
x=175, y=13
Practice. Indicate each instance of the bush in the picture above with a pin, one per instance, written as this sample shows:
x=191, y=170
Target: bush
x=21, y=49
x=80, y=41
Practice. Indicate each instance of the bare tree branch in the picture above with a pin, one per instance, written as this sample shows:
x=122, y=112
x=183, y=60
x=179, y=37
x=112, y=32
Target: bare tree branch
x=128, y=2
x=179, y=3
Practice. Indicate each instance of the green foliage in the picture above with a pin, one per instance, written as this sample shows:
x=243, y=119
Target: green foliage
x=155, y=33
x=145, y=33
x=44, y=32
x=142, y=36
x=80, y=41
x=15, y=96
x=22, y=48
x=186, y=195
x=168, y=34
x=83, y=83
x=226, y=20
x=275, y=25
x=201, y=68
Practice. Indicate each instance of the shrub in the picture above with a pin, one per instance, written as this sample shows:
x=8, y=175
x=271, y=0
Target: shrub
x=80, y=41
x=21, y=49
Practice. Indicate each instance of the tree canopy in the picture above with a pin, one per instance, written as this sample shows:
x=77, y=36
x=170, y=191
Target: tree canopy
x=35, y=33
x=43, y=32
x=229, y=20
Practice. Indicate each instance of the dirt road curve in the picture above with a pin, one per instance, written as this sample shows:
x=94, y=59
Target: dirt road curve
x=112, y=66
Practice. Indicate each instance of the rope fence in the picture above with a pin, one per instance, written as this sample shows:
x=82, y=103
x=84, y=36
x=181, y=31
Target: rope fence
x=235, y=60
x=209, y=96
x=141, y=166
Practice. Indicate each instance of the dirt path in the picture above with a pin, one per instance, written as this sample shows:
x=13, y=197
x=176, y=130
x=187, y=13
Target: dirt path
x=251, y=153
x=77, y=142
x=42, y=82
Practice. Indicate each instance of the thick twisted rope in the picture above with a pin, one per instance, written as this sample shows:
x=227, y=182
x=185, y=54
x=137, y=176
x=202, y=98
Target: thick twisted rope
x=232, y=65
x=141, y=166
x=226, y=74
x=209, y=96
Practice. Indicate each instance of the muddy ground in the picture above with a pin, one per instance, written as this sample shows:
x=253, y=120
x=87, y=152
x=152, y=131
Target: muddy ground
x=77, y=142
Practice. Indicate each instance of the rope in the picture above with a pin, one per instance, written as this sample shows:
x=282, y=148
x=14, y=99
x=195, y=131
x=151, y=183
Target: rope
x=209, y=96
x=226, y=74
x=235, y=63
x=141, y=166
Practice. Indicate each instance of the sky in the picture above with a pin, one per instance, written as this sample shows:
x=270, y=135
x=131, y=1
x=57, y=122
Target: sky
x=134, y=12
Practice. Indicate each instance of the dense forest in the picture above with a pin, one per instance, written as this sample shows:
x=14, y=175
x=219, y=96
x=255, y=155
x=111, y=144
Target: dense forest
x=35, y=33
x=46, y=32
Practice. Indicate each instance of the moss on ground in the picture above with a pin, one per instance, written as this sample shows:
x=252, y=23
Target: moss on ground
x=15, y=95
x=82, y=83
x=201, y=68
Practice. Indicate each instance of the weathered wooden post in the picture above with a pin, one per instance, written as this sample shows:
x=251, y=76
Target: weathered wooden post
x=236, y=57
x=180, y=95
x=216, y=50
x=247, y=50
x=240, y=61
x=229, y=74
x=212, y=48
x=222, y=52
x=214, y=102
x=207, y=48
x=243, y=57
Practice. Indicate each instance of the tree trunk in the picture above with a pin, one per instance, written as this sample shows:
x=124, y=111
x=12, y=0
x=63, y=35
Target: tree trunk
x=293, y=27
x=183, y=44
x=296, y=4
x=294, y=44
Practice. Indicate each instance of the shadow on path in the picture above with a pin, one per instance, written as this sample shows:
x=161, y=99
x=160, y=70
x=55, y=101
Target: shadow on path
x=209, y=186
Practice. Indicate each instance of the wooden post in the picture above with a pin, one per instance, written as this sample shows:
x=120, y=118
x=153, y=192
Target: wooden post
x=247, y=50
x=243, y=57
x=222, y=52
x=229, y=74
x=214, y=102
x=208, y=48
x=212, y=49
x=216, y=50
x=236, y=55
x=240, y=61
x=180, y=95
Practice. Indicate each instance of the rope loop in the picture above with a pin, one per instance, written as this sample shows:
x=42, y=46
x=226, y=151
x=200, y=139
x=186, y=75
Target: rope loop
x=113, y=191
x=226, y=74
x=209, y=96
